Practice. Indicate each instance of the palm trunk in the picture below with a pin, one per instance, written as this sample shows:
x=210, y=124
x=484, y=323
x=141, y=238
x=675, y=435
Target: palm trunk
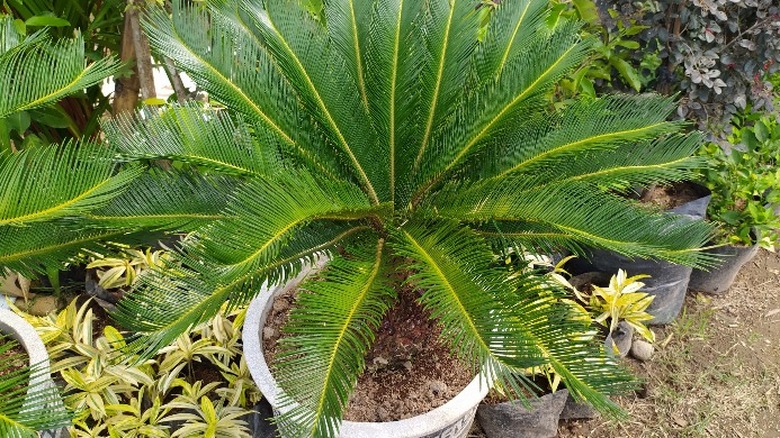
x=134, y=50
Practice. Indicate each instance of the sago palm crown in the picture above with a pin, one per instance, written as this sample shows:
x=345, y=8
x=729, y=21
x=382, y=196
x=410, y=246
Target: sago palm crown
x=389, y=136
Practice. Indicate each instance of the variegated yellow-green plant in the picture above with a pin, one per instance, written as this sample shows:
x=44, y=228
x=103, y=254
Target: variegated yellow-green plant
x=390, y=135
x=159, y=397
x=122, y=271
x=623, y=301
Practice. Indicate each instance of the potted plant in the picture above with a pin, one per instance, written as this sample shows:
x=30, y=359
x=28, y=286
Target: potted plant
x=667, y=282
x=30, y=402
x=744, y=181
x=389, y=137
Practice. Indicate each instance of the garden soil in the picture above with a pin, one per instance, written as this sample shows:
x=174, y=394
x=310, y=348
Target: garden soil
x=409, y=369
x=715, y=372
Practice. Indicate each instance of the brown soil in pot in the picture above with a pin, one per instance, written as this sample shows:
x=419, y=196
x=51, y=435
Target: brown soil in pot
x=16, y=356
x=671, y=196
x=409, y=371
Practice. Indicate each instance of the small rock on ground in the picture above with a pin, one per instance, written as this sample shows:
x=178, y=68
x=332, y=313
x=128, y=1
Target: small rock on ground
x=642, y=350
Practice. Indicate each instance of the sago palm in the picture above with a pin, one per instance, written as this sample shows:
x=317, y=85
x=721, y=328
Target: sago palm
x=387, y=135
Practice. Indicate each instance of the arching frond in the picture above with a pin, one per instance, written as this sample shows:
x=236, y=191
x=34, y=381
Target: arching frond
x=584, y=128
x=587, y=216
x=641, y=164
x=193, y=135
x=331, y=328
x=266, y=213
x=36, y=71
x=166, y=303
x=167, y=200
x=34, y=248
x=54, y=182
x=453, y=269
x=507, y=323
x=553, y=326
x=227, y=61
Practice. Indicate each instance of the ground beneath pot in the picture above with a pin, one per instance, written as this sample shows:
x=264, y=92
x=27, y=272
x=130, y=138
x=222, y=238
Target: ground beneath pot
x=716, y=371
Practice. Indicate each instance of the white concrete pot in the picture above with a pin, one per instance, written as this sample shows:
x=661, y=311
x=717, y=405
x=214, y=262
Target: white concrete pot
x=451, y=420
x=16, y=327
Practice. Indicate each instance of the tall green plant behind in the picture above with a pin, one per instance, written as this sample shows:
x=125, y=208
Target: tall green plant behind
x=391, y=137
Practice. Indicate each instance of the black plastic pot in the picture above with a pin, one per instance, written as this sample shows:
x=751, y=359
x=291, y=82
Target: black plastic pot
x=718, y=280
x=513, y=420
x=668, y=282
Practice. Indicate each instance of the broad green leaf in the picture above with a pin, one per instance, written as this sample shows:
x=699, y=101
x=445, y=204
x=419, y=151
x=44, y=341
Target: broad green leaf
x=627, y=72
x=46, y=21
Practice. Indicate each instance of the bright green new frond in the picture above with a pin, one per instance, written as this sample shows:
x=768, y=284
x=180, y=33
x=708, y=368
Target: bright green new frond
x=193, y=135
x=29, y=400
x=331, y=330
x=167, y=200
x=54, y=182
x=303, y=52
x=35, y=248
x=38, y=71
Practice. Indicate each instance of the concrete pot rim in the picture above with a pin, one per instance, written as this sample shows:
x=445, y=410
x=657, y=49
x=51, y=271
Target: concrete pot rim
x=422, y=425
x=16, y=327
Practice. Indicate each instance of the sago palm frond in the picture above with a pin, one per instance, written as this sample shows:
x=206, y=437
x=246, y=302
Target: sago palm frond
x=29, y=403
x=330, y=332
x=54, y=182
x=600, y=124
x=167, y=200
x=36, y=71
x=243, y=77
x=196, y=136
x=36, y=248
x=582, y=215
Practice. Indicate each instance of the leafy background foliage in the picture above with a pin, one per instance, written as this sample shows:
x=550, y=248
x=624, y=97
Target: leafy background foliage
x=719, y=53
